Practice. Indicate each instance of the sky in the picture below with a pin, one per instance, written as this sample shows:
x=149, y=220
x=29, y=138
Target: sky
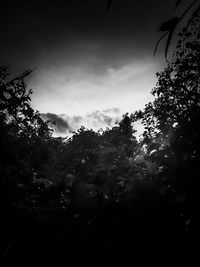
x=92, y=66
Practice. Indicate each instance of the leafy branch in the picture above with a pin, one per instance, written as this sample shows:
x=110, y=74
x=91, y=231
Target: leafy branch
x=168, y=27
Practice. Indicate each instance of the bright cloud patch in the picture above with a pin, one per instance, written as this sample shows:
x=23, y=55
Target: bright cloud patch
x=95, y=120
x=77, y=90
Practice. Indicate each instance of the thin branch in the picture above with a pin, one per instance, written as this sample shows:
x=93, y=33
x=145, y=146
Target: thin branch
x=22, y=76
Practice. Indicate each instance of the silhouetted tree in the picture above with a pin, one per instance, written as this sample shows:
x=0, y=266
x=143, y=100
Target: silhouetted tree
x=102, y=163
x=172, y=120
x=23, y=135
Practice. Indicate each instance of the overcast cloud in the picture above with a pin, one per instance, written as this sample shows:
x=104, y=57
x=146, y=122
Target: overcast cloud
x=86, y=59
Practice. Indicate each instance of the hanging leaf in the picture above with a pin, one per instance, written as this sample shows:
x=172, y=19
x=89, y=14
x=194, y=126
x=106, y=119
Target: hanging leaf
x=109, y=2
x=159, y=42
x=169, y=25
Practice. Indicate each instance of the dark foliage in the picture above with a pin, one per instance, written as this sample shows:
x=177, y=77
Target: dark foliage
x=171, y=25
x=104, y=198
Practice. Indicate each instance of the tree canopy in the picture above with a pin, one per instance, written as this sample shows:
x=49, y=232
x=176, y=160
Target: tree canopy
x=106, y=183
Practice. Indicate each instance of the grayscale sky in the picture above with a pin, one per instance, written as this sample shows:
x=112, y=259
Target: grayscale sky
x=92, y=65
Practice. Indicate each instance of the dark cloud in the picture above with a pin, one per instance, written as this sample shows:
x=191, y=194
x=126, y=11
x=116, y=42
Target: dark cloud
x=71, y=31
x=108, y=120
x=61, y=125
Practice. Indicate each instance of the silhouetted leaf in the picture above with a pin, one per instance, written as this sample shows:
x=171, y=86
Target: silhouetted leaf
x=109, y=2
x=159, y=42
x=169, y=25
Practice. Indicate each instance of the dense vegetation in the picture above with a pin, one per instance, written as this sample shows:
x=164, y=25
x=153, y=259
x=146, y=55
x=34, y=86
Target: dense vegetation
x=102, y=198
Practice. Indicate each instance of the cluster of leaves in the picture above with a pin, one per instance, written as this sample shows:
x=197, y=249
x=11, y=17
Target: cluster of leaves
x=103, y=174
x=105, y=165
x=93, y=168
x=102, y=165
x=24, y=136
x=169, y=27
x=86, y=168
x=172, y=124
